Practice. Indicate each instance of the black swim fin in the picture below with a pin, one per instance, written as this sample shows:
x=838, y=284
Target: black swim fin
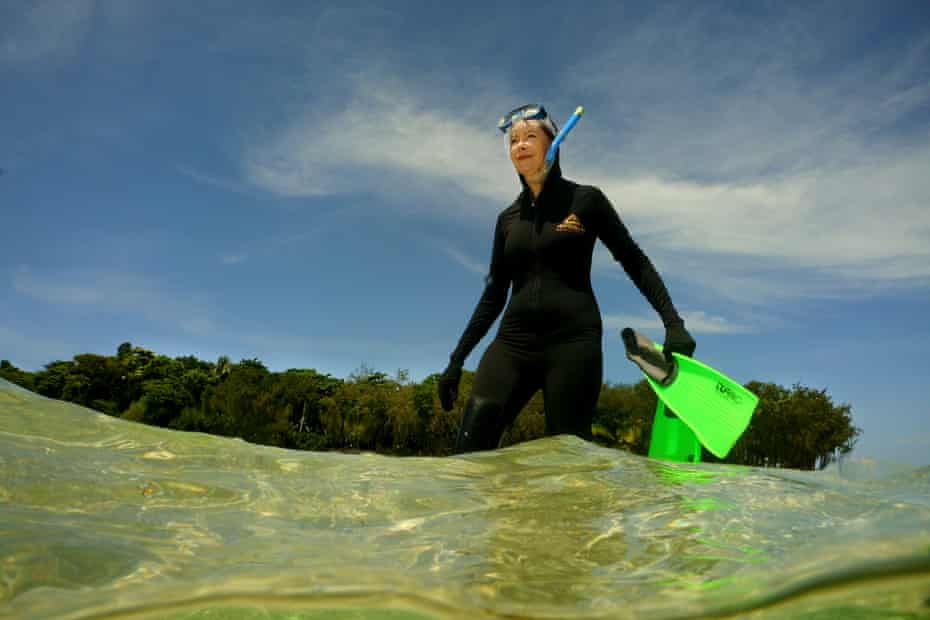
x=645, y=354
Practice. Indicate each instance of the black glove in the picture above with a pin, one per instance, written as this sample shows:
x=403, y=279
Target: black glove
x=449, y=385
x=678, y=340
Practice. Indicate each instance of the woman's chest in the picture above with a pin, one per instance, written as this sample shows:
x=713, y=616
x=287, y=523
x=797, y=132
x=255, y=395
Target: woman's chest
x=554, y=238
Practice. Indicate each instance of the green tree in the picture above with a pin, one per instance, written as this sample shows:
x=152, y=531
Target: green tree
x=13, y=374
x=89, y=380
x=163, y=400
x=444, y=425
x=301, y=408
x=406, y=428
x=420, y=398
x=222, y=367
x=240, y=405
x=131, y=362
x=95, y=383
x=800, y=428
x=623, y=416
x=301, y=392
x=51, y=380
x=356, y=416
x=334, y=414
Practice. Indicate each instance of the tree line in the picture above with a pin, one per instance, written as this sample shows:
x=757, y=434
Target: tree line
x=304, y=409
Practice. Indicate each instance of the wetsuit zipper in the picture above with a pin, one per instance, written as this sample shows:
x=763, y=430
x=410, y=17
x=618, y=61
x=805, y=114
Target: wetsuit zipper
x=538, y=275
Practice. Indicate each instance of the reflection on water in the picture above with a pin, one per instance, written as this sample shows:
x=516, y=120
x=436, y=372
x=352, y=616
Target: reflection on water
x=101, y=518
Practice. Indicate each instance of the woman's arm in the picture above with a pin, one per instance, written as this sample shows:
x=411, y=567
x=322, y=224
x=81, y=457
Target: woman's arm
x=637, y=265
x=497, y=285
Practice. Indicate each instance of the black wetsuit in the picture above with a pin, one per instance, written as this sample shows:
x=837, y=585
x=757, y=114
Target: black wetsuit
x=550, y=335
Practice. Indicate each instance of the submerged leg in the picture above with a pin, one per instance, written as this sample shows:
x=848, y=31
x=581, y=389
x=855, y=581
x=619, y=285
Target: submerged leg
x=481, y=427
x=504, y=382
x=572, y=386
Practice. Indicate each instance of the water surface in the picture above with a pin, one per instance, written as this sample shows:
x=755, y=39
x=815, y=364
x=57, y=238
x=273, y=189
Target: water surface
x=103, y=518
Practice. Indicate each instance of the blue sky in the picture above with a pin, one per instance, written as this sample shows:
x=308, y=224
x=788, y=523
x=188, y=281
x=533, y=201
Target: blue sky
x=316, y=184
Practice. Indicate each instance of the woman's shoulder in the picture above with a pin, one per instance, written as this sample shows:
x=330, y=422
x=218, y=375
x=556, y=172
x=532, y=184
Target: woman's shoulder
x=591, y=192
x=588, y=197
x=570, y=187
x=511, y=210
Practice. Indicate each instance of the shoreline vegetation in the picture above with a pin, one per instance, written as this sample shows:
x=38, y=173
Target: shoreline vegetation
x=303, y=409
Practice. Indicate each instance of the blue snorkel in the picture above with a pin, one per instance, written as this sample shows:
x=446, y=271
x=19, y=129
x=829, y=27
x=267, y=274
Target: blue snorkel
x=554, y=147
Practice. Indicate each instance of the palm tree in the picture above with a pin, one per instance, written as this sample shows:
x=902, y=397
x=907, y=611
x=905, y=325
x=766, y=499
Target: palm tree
x=222, y=367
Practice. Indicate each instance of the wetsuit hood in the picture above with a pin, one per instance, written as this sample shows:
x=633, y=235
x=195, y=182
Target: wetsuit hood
x=552, y=178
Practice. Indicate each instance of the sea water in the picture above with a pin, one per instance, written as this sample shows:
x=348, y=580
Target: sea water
x=102, y=518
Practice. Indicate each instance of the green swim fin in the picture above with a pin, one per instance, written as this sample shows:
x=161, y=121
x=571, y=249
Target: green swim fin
x=716, y=408
x=671, y=439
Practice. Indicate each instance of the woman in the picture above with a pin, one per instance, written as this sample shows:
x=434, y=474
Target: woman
x=550, y=334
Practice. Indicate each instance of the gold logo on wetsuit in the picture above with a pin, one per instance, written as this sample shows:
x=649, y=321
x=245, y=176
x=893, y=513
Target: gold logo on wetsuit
x=570, y=224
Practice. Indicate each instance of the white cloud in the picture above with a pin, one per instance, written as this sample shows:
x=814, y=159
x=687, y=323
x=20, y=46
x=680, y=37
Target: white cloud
x=233, y=259
x=117, y=293
x=270, y=246
x=383, y=140
x=464, y=260
x=696, y=322
x=739, y=156
x=677, y=99
x=731, y=153
x=868, y=220
x=229, y=185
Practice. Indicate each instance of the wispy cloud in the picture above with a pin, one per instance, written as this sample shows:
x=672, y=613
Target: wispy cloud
x=869, y=220
x=754, y=163
x=117, y=293
x=39, y=33
x=233, y=259
x=44, y=30
x=697, y=323
x=229, y=185
x=464, y=260
x=268, y=246
x=773, y=96
x=864, y=223
x=382, y=139
x=727, y=151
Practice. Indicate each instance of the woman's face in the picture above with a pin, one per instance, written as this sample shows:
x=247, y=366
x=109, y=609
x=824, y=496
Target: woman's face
x=528, y=146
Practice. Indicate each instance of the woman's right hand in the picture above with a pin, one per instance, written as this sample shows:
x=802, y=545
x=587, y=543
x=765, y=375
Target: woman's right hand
x=449, y=386
x=678, y=340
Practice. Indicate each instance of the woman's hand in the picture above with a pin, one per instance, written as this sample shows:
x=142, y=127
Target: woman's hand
x=449, y=386
x=678, y=340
